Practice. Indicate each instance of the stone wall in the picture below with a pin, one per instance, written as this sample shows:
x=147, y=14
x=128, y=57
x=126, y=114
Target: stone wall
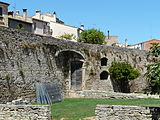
x=25, y=112
x=107, y=95
x=26, y=59
x=120, y=112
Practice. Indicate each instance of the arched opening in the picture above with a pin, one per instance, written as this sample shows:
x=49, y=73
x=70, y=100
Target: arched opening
x=71, y=63
x=104, y=61
x=104, y=75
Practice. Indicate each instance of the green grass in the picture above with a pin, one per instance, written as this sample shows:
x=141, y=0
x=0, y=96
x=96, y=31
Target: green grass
x=76, y=108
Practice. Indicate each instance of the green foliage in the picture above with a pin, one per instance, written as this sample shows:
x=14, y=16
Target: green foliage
x=121, y=73
x=68, y=36
x=21, y=72
x=20, y=27
x=153, y=71
x=92, y=72
x=92, y=36
x=8, y=77
x=154, y=50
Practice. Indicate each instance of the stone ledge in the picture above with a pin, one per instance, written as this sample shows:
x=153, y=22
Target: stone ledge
x=25, y=112
x=123, y=112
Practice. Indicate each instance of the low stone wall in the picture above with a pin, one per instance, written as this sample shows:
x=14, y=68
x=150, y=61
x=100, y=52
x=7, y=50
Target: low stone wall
x=107, y=95
x=120, y=112
x=25, y=112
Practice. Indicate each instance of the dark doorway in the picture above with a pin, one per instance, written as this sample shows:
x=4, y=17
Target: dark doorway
x=104, y=75
x=0, y=11
x=76, y=75
x=104, y=61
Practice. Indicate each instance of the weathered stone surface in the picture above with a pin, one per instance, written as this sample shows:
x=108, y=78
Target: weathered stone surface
x=25, y=112
x=107, y=95
x=26, y=58
x=121, y=112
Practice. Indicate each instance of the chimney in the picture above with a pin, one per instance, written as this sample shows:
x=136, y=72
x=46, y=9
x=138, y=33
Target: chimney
x=17, y=12
x=54, y=16
x=24, y=13
x=126, y=42
x=38, y=14
x=108, y=34
x=10, y=13
x=82, y=27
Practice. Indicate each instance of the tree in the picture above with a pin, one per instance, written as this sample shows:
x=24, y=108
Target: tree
x=121, y=73
x=68, y=36
x=153, y=71
x=92, y=36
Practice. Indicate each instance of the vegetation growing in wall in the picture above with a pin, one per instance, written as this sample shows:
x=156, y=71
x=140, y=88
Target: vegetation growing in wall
x=68, y=36
x=121, y=73
x=20, y=27
x=153, y=71
x=92, y=72
x=21, y=72
x=92, y=36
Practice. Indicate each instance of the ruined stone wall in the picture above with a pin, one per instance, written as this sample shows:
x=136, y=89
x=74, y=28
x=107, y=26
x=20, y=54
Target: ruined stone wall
x=120, y=112
x=25, y=112
x=26, y=58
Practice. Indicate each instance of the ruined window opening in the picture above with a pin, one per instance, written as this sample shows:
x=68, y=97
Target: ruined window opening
x=104, y=75
x=0, y=11
x=104, y=61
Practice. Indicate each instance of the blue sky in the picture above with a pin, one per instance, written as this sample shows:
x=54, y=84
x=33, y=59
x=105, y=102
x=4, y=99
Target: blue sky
x=136, y=20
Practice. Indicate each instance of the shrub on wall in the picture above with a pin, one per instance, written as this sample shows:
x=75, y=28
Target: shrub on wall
x=68, y=36
x=92, y=36
x=121, y=73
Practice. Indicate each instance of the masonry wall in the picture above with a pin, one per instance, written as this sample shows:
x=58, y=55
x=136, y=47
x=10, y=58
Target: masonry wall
x=25, y=112
x=120, y=112
x=26, y=59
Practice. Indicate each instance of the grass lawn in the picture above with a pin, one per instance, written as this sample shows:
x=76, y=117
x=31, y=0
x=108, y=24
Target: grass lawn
x=76, y=108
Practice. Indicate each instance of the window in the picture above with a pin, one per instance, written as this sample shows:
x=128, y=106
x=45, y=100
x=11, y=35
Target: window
x=104, y=75
x=34, y=26
x=1, y=11
x=104, y=61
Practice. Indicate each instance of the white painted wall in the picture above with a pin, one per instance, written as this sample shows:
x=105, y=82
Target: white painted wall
x=61, y=29
x=41, y=27
x=38, y=29
x=137, y=46
x=44, y=17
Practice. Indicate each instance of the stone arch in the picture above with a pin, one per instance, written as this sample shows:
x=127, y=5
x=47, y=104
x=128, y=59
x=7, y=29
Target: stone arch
x=71, y=63
x=104, y=61
x=71, y=50
x=104, y=75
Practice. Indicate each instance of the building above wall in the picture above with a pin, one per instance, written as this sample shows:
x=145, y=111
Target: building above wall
x=144, y=45
x=4, y=14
